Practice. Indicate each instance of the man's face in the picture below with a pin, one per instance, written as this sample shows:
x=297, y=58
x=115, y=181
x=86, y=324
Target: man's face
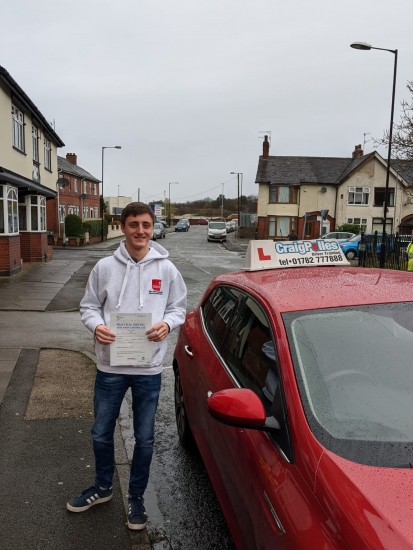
x=138, y=232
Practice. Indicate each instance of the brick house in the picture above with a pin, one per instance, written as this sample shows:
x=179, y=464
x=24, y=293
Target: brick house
x=28, y=174
x=350, y=188
x=79, y=196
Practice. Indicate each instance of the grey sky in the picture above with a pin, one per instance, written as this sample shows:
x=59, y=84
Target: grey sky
x=185, y=86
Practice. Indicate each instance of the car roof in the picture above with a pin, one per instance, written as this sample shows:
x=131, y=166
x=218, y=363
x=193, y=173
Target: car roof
x=299, y=289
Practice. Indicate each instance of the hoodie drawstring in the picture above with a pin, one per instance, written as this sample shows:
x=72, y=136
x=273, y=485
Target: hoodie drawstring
x=125, y=282
x=140, y=285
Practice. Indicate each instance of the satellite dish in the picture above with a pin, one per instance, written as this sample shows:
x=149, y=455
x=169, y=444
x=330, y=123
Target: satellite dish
x=323, y=190
x=63, y=182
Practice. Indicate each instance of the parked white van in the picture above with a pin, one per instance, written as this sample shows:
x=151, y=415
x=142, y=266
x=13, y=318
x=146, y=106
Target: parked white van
x=217, y=231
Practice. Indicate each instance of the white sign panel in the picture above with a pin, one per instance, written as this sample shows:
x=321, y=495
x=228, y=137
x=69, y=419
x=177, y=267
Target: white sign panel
x=131, y=347
x=282, y=254
x=158, y=209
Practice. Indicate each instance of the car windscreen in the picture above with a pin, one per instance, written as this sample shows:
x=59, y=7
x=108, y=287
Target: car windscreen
x=217, y=225
x=158, y=226
x=355, y=376
x=356, y=238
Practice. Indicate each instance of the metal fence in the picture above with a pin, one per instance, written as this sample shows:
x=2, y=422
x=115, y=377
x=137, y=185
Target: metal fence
x=370, y=249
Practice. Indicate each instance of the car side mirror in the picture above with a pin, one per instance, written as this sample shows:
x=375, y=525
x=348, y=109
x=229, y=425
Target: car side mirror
x=241, y=408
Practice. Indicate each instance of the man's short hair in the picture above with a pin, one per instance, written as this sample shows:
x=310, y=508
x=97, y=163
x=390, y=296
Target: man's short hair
x=136, y=209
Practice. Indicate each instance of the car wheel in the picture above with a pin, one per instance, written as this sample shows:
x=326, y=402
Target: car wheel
x=351, y=255
x=182, y=424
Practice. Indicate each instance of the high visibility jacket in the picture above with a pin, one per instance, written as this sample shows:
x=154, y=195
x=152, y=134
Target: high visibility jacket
x=409, y=252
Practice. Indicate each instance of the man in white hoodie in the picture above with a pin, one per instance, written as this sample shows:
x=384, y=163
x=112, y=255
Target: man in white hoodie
x=138, y=278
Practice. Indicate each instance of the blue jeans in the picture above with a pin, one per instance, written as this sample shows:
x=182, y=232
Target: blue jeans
x=110, y=390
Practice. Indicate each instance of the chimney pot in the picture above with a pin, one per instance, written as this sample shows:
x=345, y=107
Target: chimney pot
x=71, y=157
x=265, y=147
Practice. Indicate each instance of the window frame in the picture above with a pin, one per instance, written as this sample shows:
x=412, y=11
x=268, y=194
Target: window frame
x=391, y=196
x=365, y=192
x=18, y=124
x=47, y=144
x=274, y=194
x=273, y=223
x=9, y=200
x=363, y=223
x=35, y=143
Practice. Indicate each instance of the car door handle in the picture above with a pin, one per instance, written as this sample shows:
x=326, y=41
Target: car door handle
x=188, y=351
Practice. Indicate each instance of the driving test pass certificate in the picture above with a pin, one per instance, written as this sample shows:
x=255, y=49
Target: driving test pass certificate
x=131, y=346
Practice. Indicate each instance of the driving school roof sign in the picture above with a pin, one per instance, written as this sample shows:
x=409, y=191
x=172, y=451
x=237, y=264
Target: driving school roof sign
x=282, y=254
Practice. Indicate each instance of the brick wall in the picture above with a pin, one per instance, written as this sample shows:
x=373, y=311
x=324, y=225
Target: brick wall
x=10, y=257
x=34, y=246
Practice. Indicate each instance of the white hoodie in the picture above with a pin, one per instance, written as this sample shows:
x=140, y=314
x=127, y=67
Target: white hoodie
x=118, y=283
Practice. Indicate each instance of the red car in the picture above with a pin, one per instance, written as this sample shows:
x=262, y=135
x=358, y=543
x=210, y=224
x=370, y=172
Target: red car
x=297, y=386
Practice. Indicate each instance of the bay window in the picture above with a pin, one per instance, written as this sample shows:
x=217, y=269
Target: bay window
x=9, y=223
x=32, y=213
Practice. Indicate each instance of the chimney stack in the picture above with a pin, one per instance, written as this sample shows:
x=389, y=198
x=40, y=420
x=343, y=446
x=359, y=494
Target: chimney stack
x=72, y=157
x=265, y=148
x=358, y=151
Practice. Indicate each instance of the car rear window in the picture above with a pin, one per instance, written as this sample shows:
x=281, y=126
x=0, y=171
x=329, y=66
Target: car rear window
x=217, y=225
x=354, y=368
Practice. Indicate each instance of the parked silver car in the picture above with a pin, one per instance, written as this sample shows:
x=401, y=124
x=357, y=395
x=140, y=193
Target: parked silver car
x=159, y=230
x=339, y=236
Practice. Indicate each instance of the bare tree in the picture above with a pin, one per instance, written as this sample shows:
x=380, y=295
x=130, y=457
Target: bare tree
x=402, y=139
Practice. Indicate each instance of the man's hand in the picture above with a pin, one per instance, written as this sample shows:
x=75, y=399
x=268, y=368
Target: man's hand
x=158, y=332
x=103, y=335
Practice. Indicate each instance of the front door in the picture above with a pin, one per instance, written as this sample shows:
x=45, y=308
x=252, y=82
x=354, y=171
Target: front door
x=310, y=228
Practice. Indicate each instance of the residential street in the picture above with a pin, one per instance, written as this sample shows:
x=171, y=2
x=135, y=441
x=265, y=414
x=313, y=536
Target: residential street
x=45, y=415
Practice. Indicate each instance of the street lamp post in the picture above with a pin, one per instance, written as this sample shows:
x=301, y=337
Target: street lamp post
x=103, y=203
x=222, y=202
x=365, y=46
x=171, y=183
x=238, y=175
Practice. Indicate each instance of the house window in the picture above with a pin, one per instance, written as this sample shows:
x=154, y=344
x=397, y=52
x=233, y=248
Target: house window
x=378, y=225
x=75, y=185
x=47, y=154
x=9, y=223
x=379, y=193
x=62, y=213
x=361, y=222
x=32, y=214
x=76, y=210
x=96, y=211
x=282, y=194
x=94, y=189
x=358, y=195
x=85, y=211
x=281, y=226
x=35, y=143
x=18, y=128
x=85, y=187
x=71, y=210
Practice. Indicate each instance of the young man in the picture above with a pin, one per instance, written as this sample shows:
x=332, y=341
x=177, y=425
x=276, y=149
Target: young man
x=138, y=278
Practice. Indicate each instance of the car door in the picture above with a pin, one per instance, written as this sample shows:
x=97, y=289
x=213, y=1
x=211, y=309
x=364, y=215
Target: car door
x=274, y=506
x=200, y=358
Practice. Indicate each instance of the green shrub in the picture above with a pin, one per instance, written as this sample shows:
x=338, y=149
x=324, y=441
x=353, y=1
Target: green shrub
x=73, y=226
x=350, y=227
x=94, y=227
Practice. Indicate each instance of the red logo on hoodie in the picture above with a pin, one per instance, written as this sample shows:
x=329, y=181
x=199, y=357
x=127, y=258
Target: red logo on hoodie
x=156, y=284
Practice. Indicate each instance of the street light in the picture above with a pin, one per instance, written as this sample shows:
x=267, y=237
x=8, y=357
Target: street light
x=171, y=183
x=238, y=175
x=103, y=204
x=222, y=201
x=365, y=46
